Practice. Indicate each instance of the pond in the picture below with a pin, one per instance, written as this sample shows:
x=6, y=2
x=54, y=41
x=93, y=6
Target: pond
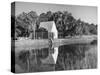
x=70, y=57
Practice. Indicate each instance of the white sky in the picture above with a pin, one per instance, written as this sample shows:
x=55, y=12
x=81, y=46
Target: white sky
x=85, y=13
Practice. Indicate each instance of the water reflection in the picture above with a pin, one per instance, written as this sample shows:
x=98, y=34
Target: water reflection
x=78, y=56
x=70, y=55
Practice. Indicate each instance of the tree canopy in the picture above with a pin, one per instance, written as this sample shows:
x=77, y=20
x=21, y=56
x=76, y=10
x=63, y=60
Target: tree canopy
x=65, y=23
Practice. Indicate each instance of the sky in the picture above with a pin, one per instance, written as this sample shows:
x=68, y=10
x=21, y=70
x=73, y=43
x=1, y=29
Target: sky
x=85, y=13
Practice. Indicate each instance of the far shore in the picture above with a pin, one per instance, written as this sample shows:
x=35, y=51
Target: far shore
x=44, y=43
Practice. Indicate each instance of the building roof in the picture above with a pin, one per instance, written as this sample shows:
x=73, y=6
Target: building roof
x=47, y=25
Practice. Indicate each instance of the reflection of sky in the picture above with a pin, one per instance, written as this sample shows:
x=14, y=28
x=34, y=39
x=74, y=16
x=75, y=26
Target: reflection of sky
x=85, y=13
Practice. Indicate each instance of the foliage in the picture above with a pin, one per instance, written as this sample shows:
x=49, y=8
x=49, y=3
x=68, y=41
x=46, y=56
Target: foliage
x=65, y=23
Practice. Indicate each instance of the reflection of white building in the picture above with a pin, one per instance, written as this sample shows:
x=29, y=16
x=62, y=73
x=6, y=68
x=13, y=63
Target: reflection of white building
x=55, y=55
x=52, y=58
x=50, y=27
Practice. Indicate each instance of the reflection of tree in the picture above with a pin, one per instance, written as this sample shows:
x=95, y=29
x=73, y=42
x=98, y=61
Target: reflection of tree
x=70, y=57
x=24, y=56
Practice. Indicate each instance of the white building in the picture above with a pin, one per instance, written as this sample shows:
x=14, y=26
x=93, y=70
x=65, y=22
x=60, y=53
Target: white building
x=50, y=27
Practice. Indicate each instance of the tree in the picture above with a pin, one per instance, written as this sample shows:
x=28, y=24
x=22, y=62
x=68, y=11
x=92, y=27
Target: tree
x=93, y=29
x=65, y=23
x=24, y=22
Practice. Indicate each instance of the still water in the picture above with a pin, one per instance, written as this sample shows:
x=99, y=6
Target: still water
x=70, y=57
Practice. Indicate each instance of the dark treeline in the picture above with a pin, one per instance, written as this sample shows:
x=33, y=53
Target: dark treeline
x=66, y=24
